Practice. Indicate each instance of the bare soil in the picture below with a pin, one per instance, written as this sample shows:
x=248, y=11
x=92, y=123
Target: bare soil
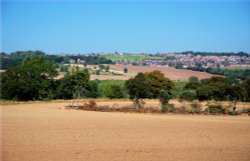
x=46, y=131
x=171, y=73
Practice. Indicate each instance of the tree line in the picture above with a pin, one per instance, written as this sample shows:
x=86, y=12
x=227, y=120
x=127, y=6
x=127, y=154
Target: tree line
x=16, y=59
x=35, y=80
x=231, y=74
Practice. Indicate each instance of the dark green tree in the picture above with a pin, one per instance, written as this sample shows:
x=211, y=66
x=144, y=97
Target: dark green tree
x=75, y=83
x=137, y=89
x=157, y=82
x=32, y=81
x=188, y=95
x=113, y=91
x=148, y=85
x=107, y=68
x=125, y=70
x=216, y=88
x=193, y=83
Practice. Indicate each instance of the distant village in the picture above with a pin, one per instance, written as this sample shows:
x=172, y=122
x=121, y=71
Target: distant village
x=191, y=60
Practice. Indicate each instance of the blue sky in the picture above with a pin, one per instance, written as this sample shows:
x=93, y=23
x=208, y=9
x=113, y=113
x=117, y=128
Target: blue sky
x=126, y=26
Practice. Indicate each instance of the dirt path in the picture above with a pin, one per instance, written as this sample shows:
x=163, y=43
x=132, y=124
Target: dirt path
x=47, y=132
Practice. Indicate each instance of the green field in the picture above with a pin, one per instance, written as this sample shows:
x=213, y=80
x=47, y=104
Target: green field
x=131, y=57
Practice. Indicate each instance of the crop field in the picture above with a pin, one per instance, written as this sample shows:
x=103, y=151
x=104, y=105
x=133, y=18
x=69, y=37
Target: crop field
x=47, y=131
x=171, y=73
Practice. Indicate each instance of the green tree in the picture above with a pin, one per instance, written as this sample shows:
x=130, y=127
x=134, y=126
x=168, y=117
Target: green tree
x=165, y=97
x=245, y=85
x=125, y=70
x=34, y=80
x=73, y=84
x=137, y=89
x=188, y=95
x=157, y=82
x=148, y=85
x=97, y=72
x=217, y=88
x=113, y=91
x=92, y=90
x=107, y=68
x=193, y=83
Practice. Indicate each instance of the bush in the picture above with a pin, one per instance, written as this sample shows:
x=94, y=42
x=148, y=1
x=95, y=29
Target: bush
x=195, y=108
x=113, y=91
x=168, y=108
x=215, y=109
x=188, y=95
x=244, y=111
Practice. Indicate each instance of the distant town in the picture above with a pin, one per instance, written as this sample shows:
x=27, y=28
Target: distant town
x=180, y=60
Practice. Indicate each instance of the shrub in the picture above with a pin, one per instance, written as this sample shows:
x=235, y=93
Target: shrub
x=125, y=70
x=244, y=111
x=188, y=95
x=168, y=108
x=195, y=108
x=113, y=91
x=97, y=72
x=215, y=109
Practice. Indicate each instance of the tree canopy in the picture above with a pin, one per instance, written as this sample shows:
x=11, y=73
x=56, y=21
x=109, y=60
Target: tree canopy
x=32, y=81
x=148, y=85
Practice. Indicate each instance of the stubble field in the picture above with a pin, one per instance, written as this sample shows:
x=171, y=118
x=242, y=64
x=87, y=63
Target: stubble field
x=169, y=72
x=47, y=131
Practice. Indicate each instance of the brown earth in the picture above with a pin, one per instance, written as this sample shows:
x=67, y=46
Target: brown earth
x=46, y=131
x=171, y=73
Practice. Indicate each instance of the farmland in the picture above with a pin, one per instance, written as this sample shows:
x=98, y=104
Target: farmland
x=47, y=131
x=171, y=73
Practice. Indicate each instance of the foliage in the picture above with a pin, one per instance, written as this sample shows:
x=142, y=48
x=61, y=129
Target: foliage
x=125, y=70
x=32, y=81
x=245, y=86
x=193, y=83
x=137, y=87
x=164, y=97
x=15, y=59
x=214, y=88
x=73, y=83
x=168, y=108
x=148, y=85
x=106, y=84
x=64, y=68
x=156, y=83
x=232, y=73
x=97, y=72
x=188, y=95
x=195, y=108
x=113, y=91
x=179, y=87
x=107, y=68
x=92, y=91
x=215, y=109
